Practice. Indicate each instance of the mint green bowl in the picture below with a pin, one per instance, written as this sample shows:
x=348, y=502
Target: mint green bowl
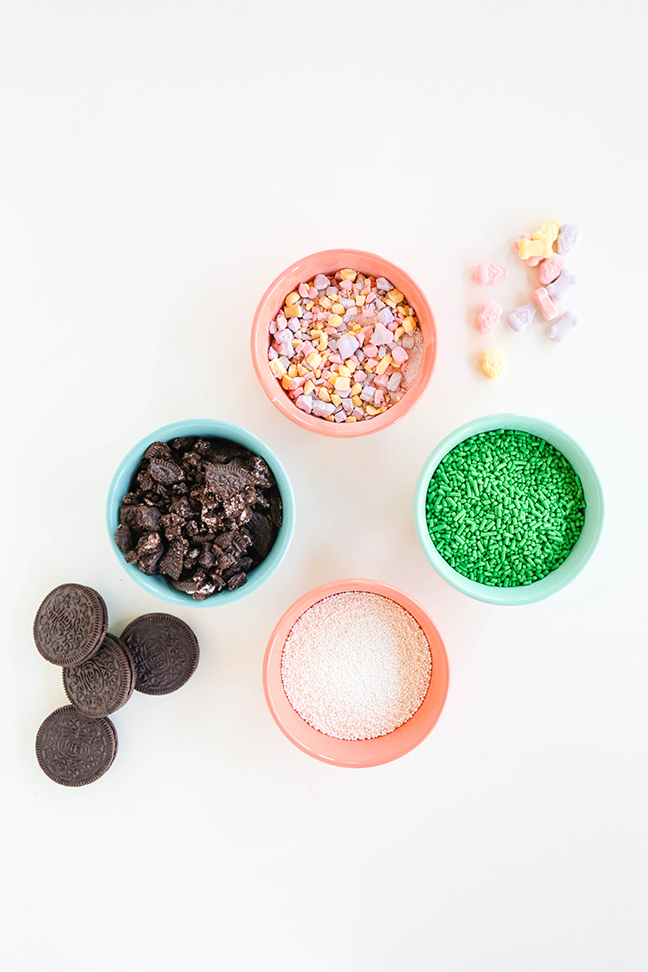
x=582, y=549
x=210, y=428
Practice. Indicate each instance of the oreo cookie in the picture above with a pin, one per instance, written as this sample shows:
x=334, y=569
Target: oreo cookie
x=70, y=625
x=101, y=685
x=73, y=749
x=165, y=651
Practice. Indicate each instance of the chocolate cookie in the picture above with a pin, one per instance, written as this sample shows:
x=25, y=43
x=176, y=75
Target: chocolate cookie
x=165, y=650
x=73, y=749
x=102, y=684
x=70, y=624
x=201, y=512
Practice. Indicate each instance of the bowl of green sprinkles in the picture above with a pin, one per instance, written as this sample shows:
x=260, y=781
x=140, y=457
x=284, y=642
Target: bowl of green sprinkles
x=508, y=509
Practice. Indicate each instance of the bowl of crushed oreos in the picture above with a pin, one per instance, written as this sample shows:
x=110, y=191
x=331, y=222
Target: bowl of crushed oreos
x=200, y=513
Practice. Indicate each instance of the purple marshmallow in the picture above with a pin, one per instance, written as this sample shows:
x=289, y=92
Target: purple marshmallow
x=347, y=346
x=561, y=329
x=567, y=238
x=521, y=317
x=561, y=285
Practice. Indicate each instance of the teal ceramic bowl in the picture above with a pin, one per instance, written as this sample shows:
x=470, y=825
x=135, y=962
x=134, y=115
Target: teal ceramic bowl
x=211, y=428
x=582, y=549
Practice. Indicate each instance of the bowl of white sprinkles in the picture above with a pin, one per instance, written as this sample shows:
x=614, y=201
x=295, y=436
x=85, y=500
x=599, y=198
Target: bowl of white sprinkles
x=355, y=673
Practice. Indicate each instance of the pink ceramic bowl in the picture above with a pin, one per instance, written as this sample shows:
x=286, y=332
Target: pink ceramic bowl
x=366, y=752
x=329, y=261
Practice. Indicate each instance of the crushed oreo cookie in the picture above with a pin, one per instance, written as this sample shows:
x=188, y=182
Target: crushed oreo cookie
x=202, y=512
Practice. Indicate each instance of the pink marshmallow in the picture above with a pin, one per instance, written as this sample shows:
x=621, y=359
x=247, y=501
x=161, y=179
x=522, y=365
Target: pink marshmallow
x=488, y=316
x=400, y=355
x=547, y=307
x=489, y=273
x=370, y=350
x=380, y=381
x=516, y=244
x=551, y=269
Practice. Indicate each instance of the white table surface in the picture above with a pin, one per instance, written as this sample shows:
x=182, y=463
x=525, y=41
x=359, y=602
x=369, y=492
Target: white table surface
x=161, y=164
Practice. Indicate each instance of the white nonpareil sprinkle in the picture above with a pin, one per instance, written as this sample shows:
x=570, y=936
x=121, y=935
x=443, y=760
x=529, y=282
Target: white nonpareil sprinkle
x=356, y=665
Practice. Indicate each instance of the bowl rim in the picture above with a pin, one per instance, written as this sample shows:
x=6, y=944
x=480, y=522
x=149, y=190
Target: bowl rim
x=359, y=754
x=259, y=345
x=213, y=428
x=580, y=554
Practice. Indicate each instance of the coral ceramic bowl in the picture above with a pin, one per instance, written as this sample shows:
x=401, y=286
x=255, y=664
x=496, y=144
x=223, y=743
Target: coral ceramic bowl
x=210, y=428
x=580, y=552
x=330, y=261
x=365, y=752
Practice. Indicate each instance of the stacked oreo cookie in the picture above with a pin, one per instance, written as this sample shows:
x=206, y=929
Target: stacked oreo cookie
x=156, y=654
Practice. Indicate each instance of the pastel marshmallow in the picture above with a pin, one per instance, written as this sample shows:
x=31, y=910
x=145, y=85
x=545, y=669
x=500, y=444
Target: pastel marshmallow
x=551, y=269
x=559, y=287
x=548, y=231
x=489, y=273
x=561, y=329
x=488, y=316
x=531, y=261
x=516, y=243
x=347, y=345
x=532, y=248
x=491, y=362
x=521, y=317
x=567, y=238
x=544, y=302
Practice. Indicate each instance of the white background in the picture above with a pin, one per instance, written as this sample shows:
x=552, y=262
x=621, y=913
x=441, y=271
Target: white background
x=162, y=163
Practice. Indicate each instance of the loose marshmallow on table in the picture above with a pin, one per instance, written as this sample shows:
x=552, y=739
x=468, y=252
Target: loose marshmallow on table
x=531, y=248
x=531, y=261
x=559, y=287
x=560, y=330
x=521, y=317
x=488, y=316
x=567, y=238
x=550, y=269
x=547, y=231
x=489, y=273
x=491, y=362
x=544, y=302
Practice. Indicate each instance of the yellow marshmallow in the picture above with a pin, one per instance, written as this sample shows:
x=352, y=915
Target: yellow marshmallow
x=548, y=231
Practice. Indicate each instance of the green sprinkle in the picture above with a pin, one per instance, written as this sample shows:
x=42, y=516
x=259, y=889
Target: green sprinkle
x=505, y=508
